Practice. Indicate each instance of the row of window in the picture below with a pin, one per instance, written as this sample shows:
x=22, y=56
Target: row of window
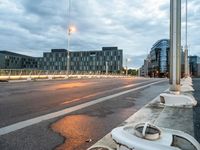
x=101, y=58
x=83, y=68
x=83, y=54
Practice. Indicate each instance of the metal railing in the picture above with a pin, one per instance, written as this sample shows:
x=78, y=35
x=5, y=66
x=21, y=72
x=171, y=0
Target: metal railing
x=29, y=74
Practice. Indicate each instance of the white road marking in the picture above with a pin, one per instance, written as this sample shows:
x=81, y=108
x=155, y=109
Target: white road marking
x=103, y=92
x=29, y=122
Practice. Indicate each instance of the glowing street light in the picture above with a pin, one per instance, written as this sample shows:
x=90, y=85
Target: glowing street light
x=71, y=29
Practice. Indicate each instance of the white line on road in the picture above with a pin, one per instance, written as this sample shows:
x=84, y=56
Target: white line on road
x=103, y=92
x=26, y=123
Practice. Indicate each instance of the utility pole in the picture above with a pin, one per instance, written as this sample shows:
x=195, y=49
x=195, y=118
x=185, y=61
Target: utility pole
x=175, y=45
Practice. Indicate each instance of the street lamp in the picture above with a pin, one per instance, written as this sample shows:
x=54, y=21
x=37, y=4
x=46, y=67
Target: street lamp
x=70, y=30
x=127, y=60
x=126, y=66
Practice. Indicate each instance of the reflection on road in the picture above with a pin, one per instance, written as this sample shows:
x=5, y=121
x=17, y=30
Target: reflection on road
x=69, y=85
x=77, y=130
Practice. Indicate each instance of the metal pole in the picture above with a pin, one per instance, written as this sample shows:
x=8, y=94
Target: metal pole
x=126, y=67
x=68, y=38
x=175, y=45
x=147, y=61
x=106, y=68
x=68, y=53
x=186, y=47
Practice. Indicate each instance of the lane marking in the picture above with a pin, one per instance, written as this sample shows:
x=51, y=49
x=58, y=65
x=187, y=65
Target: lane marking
x=29, y=122
x=103, y=92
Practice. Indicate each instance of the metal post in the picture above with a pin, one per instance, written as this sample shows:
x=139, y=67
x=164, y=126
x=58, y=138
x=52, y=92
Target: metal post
x=186, y=47
x=175, y=45
x=126, y=67
x=106, y=68
x=68, y=38
x=68, y=53
x=147, y=62
x=186, y=62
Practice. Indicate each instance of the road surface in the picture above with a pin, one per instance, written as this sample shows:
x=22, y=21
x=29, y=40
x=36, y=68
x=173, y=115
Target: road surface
x=115, y=100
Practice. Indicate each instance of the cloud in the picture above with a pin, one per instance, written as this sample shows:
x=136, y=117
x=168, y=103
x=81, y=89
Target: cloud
x=33, y=27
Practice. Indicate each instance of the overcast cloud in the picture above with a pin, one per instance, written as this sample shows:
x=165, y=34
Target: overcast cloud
x=35, y=26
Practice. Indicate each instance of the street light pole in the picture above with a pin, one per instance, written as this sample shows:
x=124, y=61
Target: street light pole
x=68, y=37
x=175, y=45
x=68, y=53
x=126, y=67
x=186, y=47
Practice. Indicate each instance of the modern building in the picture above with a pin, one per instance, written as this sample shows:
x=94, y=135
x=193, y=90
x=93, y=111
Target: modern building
x=85, y=61
x=109, y=58
x=194, y=64
x=159, y=59
x=144, y=70
x=10, y=60
x=55, y=60
x=157, y=62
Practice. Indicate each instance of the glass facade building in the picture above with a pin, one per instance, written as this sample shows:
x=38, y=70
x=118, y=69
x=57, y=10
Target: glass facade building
x=159, y=59
x=194, y=63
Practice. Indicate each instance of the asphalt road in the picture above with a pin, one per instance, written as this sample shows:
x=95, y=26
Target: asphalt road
x=22, y=101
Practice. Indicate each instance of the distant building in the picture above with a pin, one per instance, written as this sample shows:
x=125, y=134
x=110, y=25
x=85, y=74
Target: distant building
x=10, y=60
x=194, y=64
x=80, y=61
x=157, y=64
x=85, y=61
x=144, y=70
x=159, y=59
x=141, y=71
x=55, y=60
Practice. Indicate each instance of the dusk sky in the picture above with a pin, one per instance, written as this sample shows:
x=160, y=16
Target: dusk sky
x=32, y=27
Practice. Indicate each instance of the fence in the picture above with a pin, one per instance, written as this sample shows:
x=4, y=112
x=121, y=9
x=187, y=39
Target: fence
x=20, y=74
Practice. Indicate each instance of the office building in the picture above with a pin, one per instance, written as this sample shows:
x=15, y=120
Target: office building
x=109, y=58
x=85, y=61
x=157, y=62
x=194, y=64
x=10, y=60
x=159, y=59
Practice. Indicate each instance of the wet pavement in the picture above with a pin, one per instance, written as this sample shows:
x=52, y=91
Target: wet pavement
x=95, y=122
x=22, y=101
x=74, y=131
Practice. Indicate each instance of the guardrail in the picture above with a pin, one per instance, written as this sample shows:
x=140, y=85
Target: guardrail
x=28, y=74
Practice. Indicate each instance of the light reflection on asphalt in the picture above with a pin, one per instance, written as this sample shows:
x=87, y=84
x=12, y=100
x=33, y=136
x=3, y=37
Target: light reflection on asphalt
x=77, y=130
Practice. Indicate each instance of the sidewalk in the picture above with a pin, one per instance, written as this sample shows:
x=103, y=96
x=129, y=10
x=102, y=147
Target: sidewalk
x=183, y=119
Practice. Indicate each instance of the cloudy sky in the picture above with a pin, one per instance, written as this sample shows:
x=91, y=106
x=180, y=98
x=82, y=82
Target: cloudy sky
x=35, y=26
